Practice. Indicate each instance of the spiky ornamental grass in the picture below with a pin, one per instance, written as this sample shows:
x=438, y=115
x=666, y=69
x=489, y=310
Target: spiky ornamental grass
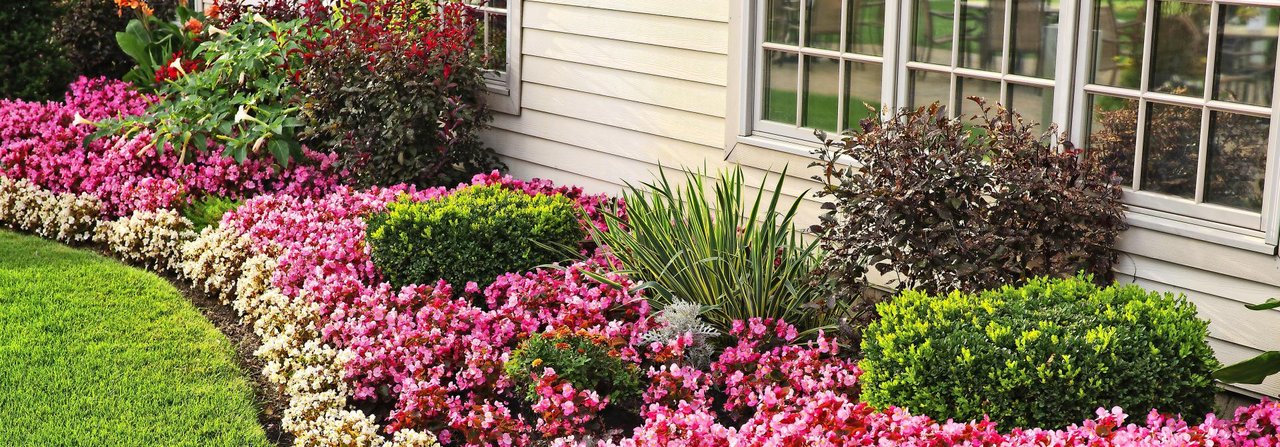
x=748, y=261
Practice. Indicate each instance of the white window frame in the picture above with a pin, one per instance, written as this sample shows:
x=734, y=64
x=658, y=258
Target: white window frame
x=502, y=87
x=1258, y=232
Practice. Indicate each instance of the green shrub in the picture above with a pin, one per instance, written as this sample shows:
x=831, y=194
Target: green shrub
x=208, y=211
x=475, y=234
x=586, y=360
x=748, y=262
x=1046, y=354
x=31, y=63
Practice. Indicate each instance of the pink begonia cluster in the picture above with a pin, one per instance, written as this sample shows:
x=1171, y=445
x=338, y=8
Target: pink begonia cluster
x=44, y=143
x=434, y=354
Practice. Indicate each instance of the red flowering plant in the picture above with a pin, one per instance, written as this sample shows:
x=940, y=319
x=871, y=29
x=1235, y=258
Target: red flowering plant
x=393, y=85
x=157, y=44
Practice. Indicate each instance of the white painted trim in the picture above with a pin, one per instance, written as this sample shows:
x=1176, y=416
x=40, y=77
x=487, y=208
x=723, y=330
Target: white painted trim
x=502, y=89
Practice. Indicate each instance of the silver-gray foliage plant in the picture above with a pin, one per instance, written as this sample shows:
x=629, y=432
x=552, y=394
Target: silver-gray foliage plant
x=681, y=317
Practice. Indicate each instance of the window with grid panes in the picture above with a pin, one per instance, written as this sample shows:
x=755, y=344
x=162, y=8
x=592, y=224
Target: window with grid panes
x=1176, y=95
x=491, y=18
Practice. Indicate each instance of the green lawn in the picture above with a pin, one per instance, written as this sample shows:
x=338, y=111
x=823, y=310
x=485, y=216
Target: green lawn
x=94, y=353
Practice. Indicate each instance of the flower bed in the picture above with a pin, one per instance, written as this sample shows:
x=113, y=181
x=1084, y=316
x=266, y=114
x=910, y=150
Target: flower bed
x=362, y=363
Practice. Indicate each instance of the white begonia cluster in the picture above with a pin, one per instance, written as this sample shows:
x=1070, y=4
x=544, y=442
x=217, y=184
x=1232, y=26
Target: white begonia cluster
x=213, y=261
x=308, y=371
x=150, y=238
x=62, y=216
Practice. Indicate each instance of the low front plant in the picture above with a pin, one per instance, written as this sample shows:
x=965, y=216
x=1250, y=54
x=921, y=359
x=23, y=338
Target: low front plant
x=475, y=234
x=1046, y=354
x=587, y=360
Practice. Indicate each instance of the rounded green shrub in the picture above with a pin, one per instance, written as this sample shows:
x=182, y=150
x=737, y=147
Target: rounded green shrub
x=474, y=234
x=587, y=360
x=1046, y=354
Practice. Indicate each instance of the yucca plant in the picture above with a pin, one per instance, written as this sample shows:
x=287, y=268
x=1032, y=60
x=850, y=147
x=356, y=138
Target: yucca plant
x=739, y=256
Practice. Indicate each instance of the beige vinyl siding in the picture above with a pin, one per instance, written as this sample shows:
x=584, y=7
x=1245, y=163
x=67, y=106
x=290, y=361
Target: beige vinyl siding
x=612, y=88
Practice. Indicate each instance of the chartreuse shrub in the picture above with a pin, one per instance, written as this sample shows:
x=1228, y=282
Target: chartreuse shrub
x=475, y=234
x=208, y=210
x=1046, y=354
x=587, y=360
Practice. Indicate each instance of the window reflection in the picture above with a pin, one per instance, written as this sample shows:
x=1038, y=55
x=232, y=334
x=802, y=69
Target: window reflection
x=1181, y=44
x=1172, y=150
x=1246, y=57
x=928, y=88
x=866, y=27
x=1237, y=160
x=1035, y=37
x=821, y=93
x=982, y=34
x=1113, y=134
x=862, y=85
x=1118, y=28
x=1034, y=104
x=780, y=86
x=823, y=27
x=933, y=31
x=783, y=22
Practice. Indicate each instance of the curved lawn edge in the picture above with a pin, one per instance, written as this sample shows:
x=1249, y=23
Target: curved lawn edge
x=95, y=352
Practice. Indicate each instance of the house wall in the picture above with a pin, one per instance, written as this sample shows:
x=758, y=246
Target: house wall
x=613, y=88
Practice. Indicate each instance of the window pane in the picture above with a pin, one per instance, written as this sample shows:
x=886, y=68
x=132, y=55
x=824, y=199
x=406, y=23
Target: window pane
x=928, y=88
x=1172, y=150
x=1118, y=29
x=780, y=86
x=821, y=93
x=783, y=22
x=1237, y=160
x=823, y=26
x=1181, y=48
x=982, y=34
x=1035, y=37
x=497, y=45
x=866, y=27
x=1246, y=54
x=933, y=26
x=862, y=87
x=500, y=4
x=988, y=90
x=1113, y=134
x=1035, y=104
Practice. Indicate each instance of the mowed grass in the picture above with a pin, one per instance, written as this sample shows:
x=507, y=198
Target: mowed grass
x=95, y=353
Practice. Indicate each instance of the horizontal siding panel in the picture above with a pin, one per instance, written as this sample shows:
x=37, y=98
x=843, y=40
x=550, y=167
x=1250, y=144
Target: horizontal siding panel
x=713, y=10
x=1224, y=316
x=689, y=65
x=573, y=158
x=1230, y=353
x=672, y=93
x=691, y=127
x=1201, y=255
x=1176, y=275
x=528, y=170
x=689, y=34
x=607, y=139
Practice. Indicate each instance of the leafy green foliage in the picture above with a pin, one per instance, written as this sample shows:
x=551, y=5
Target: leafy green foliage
x=86, y=30
x=1257, y=369
x=943, y=204
x=242, y=98
x=152, y=43
x=207, y=211
x=97, y=353
x=474, y=234
x=586, y=360
x=394, y=87
x=740, y=256
x=1046, y=354
x=31, y=64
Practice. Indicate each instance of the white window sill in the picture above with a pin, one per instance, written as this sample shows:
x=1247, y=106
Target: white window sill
x=499, y=97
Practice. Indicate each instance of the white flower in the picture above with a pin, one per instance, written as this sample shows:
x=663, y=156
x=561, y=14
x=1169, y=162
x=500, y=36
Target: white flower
x=242, y=114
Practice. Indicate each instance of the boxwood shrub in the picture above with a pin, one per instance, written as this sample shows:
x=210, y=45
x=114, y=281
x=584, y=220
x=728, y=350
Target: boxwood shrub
x=1045, y=354
x=474, y=234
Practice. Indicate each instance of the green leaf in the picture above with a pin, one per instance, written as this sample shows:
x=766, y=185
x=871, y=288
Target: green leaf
x=280, y=150
x=1271, y=303
x=134, y=47
x=1252, y=371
